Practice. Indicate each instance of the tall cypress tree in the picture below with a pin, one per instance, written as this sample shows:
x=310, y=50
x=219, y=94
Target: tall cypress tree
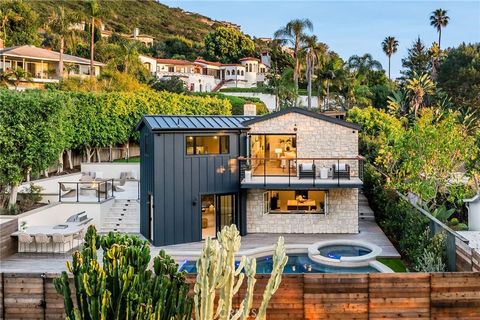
x=417, y=60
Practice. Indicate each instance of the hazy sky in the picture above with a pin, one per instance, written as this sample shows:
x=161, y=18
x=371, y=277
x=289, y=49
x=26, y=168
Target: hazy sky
x=350, y=27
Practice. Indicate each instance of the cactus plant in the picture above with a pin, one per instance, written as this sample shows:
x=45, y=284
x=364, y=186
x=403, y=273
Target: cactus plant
x=217, y=270
x=122, y=286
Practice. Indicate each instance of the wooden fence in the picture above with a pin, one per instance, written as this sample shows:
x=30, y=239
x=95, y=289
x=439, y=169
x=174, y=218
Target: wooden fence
x=310, y=296
x=8, y=244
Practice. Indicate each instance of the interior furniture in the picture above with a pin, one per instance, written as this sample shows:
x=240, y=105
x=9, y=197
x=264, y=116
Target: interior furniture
x=306, y=205
x=306, y=170
x=342, y=171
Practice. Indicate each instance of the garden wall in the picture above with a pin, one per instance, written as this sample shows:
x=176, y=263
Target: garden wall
x=8, y=244
x=310, y=296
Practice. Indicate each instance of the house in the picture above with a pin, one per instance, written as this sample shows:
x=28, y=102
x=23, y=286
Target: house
x=292, y=171
x=206, y=76
x=43, y=64
x=146, y=39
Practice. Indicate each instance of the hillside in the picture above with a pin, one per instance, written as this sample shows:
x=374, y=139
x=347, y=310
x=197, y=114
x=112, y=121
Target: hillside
x=151, y=17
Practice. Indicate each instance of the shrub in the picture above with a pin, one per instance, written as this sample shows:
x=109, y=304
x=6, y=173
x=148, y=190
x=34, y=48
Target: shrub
x=123, y=287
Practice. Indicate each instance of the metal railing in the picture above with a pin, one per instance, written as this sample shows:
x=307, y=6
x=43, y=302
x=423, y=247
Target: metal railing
x=319, y=171
x=78, y=191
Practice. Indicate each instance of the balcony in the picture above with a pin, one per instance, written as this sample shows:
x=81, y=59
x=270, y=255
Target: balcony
x=298, y=173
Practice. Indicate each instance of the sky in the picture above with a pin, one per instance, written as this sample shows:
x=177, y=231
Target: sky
x=350, y=27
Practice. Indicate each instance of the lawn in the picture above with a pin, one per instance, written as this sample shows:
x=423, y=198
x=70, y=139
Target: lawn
x=396, y=265
x=131, y=159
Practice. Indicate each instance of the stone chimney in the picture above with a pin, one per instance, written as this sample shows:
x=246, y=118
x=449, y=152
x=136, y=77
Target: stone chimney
x=249, y=109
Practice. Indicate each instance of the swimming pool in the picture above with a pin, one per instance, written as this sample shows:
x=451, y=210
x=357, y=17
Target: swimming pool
x=297, y=263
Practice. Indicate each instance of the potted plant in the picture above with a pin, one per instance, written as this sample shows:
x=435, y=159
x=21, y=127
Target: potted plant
x=248, y=172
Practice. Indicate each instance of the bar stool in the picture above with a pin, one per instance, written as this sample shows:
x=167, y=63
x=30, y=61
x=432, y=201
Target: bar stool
x=25, y=240
x=60, y=239
x=42, y=240
x=79, y=236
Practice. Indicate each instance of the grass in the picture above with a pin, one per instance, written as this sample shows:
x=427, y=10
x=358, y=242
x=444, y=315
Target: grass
x=130, y=160
x=396, y=265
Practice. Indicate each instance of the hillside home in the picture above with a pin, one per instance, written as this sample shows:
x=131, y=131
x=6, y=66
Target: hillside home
x=292, y=171
x=43, y=64
x=206, y=76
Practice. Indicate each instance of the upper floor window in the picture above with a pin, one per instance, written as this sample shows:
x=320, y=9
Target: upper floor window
x=203, y=145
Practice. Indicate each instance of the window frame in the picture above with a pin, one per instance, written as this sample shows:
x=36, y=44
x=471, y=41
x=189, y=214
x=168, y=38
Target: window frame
x=222, y=141
x=267, y=195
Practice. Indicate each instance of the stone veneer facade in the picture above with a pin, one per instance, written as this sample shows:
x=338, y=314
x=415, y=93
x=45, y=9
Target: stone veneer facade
x=316, y=138
x=342, y=215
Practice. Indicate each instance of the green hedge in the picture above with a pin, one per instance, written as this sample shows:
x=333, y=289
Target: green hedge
x=404, y=225
x=237, y=102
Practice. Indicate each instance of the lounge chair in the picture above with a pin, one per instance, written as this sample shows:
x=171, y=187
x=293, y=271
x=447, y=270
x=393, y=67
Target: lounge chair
x=306, y=170
x=342, y=172
x=67, y=192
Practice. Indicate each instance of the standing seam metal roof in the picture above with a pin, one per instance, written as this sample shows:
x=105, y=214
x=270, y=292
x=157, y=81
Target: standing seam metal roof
x=166, y=122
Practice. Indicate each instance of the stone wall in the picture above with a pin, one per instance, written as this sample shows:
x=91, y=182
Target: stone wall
x=316, y=138
x=342, y=216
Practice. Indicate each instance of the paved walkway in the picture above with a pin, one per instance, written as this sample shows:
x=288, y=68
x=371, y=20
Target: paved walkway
x=369, y=232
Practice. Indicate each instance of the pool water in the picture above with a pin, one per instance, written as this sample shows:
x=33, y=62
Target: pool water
x=297, y=263
x=338, y=251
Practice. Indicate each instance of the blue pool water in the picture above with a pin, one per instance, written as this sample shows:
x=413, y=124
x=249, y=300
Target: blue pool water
x=338, y=251
x=298, y=263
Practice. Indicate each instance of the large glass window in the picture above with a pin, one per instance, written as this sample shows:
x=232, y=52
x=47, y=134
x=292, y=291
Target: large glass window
x=203, y=145
x=273, y=154
x=296, y=201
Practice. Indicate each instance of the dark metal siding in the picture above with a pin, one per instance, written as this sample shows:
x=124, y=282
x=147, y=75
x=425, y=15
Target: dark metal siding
x=146, y=176
x=180, y=180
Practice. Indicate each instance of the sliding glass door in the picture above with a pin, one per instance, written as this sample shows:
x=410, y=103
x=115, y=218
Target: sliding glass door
x=217, y=211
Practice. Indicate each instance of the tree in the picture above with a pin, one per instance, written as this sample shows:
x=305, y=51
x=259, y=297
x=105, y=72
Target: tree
x=439, y=20
x=95, y=13
x=60, y=25
x=228, y=45
x=459, y=75
x=363, y=64
x=436, y=54
x=31, y=135
x=417, y=87
x=417, y=60
x=312, y=50
x=389, y=46
x=14, y=77
x=294, y=34
x=173, y=84
x=19, y=23
x=176, y=47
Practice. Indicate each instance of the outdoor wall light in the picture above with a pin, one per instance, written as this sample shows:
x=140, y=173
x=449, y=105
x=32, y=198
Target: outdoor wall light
x=194, y=202
x=295, y=127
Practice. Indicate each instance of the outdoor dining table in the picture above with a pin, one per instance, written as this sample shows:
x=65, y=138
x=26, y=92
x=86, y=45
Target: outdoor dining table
x=65, y=229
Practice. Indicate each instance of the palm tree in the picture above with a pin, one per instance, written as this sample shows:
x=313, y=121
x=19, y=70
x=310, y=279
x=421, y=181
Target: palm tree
x=435, y=54
x=14, y=77
x=389, y=46
x=439, y=20
x=60, y=25
x=95, y=13
x=312, y=50
x=363, y=64
x=294, y=33
x=417, y=87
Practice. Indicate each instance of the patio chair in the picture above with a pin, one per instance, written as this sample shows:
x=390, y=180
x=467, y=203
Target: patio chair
x=306, y=170
x=342, y=172
x=79, y=237
x=25, y=240
x=43, y=240
x=60, y=239
x=68, y=192
x=86, y=178
x=122, y=182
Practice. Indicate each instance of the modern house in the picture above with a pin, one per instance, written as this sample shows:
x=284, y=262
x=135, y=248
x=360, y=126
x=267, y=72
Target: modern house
x=206, y=76
x=43, y=64
x=293, y=171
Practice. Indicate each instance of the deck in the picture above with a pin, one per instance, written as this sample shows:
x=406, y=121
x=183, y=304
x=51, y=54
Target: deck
x=295, y=182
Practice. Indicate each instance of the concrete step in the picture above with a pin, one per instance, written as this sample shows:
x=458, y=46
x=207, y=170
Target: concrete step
x=123, y=216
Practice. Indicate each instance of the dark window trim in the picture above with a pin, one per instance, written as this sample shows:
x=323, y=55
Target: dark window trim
x=220, y=145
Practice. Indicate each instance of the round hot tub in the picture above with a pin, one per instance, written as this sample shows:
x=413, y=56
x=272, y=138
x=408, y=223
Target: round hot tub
x=345, y=253
x=337, y=251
